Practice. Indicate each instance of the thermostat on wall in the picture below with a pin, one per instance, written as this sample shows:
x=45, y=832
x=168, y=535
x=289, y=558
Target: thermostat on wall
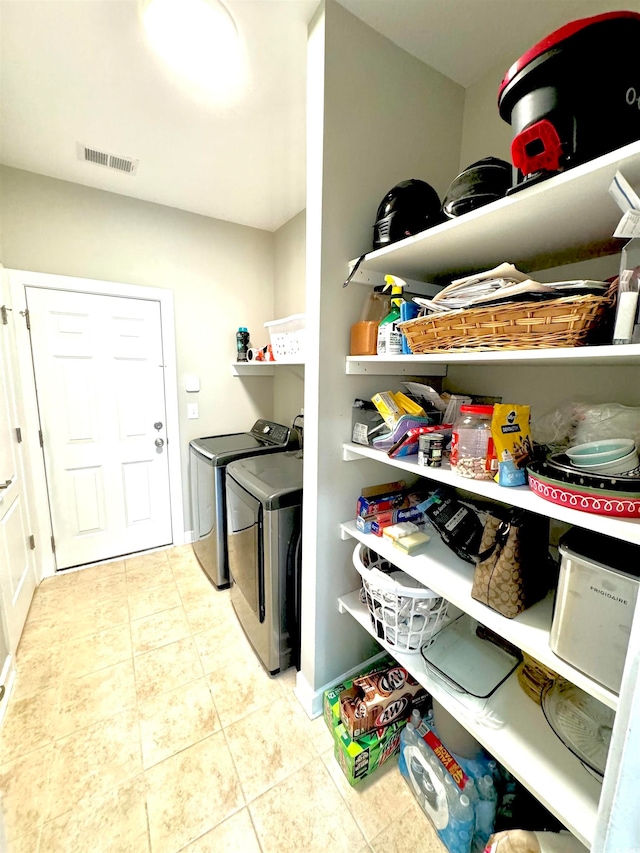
x=191, y=382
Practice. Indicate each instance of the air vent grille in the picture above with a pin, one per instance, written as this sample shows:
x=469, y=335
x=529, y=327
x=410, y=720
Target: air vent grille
x=128, y=165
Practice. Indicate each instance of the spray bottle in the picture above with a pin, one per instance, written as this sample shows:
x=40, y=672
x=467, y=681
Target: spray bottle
x=389, y=336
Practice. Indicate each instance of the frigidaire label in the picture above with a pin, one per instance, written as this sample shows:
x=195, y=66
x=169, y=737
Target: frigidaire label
x=608, y=595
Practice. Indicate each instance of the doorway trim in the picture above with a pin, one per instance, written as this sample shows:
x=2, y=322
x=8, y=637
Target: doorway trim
x=18, y=281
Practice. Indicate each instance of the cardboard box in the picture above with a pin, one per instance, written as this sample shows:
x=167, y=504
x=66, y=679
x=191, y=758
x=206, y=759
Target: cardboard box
x=368, y=508
x=379, y=699
x=359, y=758
x=331, y=703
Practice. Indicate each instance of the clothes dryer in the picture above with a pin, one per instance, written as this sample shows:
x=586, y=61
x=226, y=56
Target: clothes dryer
x=264, y=537
x=208, y=460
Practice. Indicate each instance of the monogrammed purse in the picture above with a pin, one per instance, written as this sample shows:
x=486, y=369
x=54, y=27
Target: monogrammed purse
x=511, y=567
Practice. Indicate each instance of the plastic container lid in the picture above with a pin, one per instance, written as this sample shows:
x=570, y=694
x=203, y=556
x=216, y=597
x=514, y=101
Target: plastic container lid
x=477, y=410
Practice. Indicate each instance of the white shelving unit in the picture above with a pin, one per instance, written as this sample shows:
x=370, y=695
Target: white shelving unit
x=524, y=743
x=604, y=356
x=438, y=568
x=520, y=496
x=566, y=219
x=545, y=225
x=261, y=368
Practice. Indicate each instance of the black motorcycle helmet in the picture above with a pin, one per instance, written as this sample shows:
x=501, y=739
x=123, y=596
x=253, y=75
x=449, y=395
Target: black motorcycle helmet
x=478, y=184
x=408, y=208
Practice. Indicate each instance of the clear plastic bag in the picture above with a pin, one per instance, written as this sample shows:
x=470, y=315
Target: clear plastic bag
x=573, y=423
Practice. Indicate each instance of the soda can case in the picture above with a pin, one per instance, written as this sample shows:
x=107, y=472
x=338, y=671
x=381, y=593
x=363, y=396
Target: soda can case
x=573, y=96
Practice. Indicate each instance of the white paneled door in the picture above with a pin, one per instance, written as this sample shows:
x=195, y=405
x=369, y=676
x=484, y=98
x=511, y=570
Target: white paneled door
x=99, y=372
x=17, y=564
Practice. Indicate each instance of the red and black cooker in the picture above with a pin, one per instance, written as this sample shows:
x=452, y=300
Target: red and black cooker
x=574, y=96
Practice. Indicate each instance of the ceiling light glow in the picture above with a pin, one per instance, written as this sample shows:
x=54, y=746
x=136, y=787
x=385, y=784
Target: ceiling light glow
x=198, y=39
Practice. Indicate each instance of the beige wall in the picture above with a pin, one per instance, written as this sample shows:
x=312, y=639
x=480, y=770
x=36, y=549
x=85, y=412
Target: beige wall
x=289, y=298
x=221, y=276
x=376, y=116
x=484, y=133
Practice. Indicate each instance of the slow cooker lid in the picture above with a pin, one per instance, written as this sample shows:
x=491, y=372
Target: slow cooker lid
x=555, y=38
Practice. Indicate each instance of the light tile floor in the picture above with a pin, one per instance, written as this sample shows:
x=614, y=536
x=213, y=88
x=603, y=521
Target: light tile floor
x=142, y=721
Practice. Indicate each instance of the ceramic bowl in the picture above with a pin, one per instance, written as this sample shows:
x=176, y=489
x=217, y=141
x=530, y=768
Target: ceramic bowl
x=606, y=450
x=616, y=466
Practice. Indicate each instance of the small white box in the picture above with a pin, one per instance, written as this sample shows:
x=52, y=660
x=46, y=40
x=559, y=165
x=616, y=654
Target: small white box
x=287, y=338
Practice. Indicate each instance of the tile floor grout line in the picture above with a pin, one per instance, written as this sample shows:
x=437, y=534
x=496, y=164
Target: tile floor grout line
x=344, y=800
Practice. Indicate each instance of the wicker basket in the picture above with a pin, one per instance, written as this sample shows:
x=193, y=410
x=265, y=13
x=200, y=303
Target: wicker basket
x=564, y=322
x=533, y=677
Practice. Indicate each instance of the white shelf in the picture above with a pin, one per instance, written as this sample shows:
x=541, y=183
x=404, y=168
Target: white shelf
x=437, y=567
x=525, y=744
x=566, y=218
x=604, y=356
x=521, y=496
x=260, y=368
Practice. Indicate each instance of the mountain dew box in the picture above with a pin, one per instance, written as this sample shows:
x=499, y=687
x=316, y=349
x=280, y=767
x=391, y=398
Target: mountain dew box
x=331, y=707
x=359, y=758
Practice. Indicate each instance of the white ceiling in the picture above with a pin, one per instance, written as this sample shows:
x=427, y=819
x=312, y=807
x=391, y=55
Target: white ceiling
x=81, y=71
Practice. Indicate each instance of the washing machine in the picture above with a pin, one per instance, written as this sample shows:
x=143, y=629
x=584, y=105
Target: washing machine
x=208, y=460
x=264, y=540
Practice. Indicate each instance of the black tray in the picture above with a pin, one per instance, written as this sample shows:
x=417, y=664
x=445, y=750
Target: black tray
x=559, y=467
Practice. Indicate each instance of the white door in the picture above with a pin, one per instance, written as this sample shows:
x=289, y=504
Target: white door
x=17, y=563
x=99, y=373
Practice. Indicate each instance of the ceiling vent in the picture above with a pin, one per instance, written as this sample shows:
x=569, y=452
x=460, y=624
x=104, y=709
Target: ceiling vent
x=112, y=161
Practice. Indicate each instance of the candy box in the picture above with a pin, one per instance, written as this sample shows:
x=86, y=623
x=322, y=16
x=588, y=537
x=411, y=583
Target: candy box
x=359, y=758
x=379, y=699
x=331, y=704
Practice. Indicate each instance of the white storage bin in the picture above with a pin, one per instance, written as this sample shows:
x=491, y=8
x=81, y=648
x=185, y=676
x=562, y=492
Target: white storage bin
x=287, y=337
x=404, y=614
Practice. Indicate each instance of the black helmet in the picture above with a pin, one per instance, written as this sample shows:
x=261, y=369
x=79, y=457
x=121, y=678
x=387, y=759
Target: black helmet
x=410, y=207
x=481, y=182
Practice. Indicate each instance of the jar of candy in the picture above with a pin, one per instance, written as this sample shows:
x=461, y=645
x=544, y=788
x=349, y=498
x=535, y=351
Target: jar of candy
x=472, y=452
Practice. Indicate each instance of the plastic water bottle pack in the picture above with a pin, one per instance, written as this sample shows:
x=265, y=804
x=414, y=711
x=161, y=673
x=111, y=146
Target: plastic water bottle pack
x=458, y=795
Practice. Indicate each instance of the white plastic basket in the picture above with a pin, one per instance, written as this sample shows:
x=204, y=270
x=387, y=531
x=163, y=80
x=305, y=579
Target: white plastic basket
x=287, y=337
x=404, y=614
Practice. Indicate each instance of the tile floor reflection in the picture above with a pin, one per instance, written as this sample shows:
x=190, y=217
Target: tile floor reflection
x=142, y=722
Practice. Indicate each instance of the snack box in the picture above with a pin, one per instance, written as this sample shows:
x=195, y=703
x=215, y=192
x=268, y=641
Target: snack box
x=359, y=758
x=379, y=699
x=331, y=704
x=383, y=489
x=368, y=507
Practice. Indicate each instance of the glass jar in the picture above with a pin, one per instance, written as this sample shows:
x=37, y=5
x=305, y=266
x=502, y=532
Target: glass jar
x=472, y=452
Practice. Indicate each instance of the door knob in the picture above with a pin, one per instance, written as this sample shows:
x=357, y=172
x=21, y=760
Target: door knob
x=157, y=425
x=6, y=484
x=159, y=442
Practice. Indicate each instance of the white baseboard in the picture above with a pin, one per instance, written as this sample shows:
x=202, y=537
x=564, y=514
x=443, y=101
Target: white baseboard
x=312, y=700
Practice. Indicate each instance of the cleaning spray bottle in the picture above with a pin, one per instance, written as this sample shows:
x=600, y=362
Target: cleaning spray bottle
x=389, y=336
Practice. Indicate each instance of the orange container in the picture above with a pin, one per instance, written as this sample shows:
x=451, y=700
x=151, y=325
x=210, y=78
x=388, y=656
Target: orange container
x=364, y=338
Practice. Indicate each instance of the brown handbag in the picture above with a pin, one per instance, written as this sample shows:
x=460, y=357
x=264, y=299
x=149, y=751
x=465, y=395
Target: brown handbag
x=511, y=568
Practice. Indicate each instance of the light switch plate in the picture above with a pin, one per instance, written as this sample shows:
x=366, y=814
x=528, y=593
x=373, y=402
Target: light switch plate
x=191, y=382
x=192, y=411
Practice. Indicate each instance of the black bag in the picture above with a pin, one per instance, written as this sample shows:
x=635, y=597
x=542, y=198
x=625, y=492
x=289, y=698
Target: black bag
x=457, y=523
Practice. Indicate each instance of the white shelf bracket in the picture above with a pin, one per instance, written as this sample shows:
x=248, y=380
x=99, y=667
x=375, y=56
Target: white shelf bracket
x=350, y=456
x=376, y=279
x=375, y=367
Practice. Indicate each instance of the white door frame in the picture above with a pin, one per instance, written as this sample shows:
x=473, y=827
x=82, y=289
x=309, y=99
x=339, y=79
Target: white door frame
x=18, y=280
